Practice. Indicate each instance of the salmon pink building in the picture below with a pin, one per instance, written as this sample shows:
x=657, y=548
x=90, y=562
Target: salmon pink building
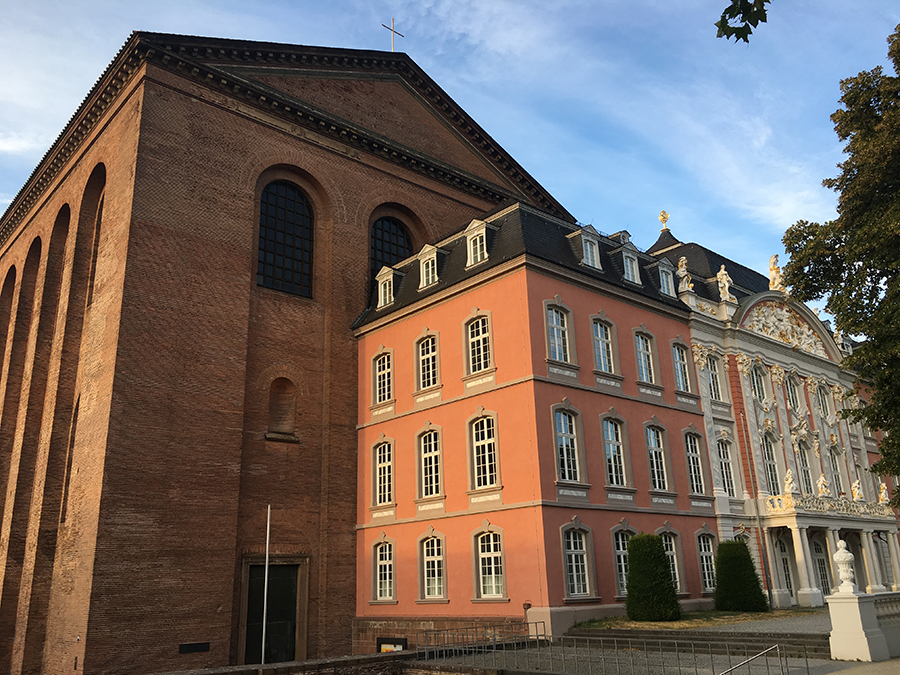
x=526, y=403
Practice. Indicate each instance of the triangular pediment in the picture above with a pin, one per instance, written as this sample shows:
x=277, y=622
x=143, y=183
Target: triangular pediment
x=784, y=322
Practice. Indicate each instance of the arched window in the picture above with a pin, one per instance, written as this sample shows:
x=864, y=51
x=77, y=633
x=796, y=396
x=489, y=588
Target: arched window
x=389, y=243
x=771, y=465
x=432, y=553
x=490, y=565
x=620, y=539
x=282, y=406
x=712, y=374
x=615, y=459
x=672, y=555
x=658, y=480
x=285, y=239
x=430, y=457
x=707, y=562
x=682, y=375
x=695, y=467
x=757, y=384
x=793, y=397
x=384, y=571
x=724, y=452
x=576, y=562
x=484, y=451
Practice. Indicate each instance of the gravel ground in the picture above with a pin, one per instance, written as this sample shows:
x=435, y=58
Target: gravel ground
x=818, y=623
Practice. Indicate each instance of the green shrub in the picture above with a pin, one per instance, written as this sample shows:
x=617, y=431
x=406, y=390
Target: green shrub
x=651, y=592
x=737, y=584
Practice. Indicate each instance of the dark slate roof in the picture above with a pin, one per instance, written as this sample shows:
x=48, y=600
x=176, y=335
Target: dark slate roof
x=704, y=264
x=523, y=230
x=666, y=240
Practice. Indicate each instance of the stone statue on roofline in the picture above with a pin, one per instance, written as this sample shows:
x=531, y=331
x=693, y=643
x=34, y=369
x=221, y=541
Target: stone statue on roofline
x=725, y=281
x=684, y=283
x=776, y=280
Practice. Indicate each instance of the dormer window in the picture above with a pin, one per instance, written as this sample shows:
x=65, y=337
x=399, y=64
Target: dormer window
x=631, y=268
x=428, y=274
x=476, y=242
x=385, y=281
x=385, y=292
x=591, y=253
x=666, y=284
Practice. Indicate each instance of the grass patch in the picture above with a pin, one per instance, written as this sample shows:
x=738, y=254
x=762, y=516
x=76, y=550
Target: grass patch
x=703, y=619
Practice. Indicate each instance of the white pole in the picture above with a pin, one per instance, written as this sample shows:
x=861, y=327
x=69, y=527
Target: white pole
x=262, y=658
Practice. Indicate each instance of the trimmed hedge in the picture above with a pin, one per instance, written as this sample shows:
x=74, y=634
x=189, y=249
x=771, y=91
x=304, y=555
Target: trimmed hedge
x=738, y=588
x=651, y=592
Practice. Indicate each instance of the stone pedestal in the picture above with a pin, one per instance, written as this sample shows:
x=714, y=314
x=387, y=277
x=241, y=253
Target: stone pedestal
x=855, y=635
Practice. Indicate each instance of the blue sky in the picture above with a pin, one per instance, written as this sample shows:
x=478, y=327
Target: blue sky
x=620, y=108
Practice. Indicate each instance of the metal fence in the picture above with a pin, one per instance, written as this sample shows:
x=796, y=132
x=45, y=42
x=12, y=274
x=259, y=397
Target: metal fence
x=527, y=647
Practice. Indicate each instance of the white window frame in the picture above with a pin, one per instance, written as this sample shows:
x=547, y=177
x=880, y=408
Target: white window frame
x=384, y=582
x=575, y=562
x=694, y=463
x=670, y=545
x=383, y=461
x=723, y=449
x=476, y=242
x=656, y=459
x=479, y=352
x=427, y=367
x=620, y=560
x=485, y=464
x=604, y=355
x=805, y=471
x=428, y=271
x=822, y=402
x=667, y=282
x=385, y=292
x=712, y=377
x=434, y=578
x=757, y=383
x=837, y=481
x=682, y=374
x=792, y=392
x=643, y=350
x=430, y=464
x=383, y=378
x=590, y=252
x=771, y=464
x=565, y=431
x=614, y=452
x=557, y=334
x=707, y=559
x=490, y=565
x=630, y=266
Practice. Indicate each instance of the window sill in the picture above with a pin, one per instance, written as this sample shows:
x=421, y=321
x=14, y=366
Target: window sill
x=582, y=600
x=382, y=602
x=383, y=408
x=432, y=601
x=650, y=385
x=275, y=437
x=486, y=600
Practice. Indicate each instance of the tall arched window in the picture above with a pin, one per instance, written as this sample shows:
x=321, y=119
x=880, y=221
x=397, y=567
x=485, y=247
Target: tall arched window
x=285, y=239
x=389, y=243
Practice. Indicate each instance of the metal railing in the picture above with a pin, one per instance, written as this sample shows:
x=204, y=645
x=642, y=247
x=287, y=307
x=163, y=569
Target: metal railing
x=527, y=647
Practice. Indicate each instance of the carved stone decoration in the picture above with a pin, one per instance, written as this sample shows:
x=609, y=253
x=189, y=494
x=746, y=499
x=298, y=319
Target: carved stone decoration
x=776, y=280
x=799, y=433
x=838, y=392
x=844, y=560
x=769, y=425
x=701, y=352
x=777, y=373
x=811, y=385
x=817, y=448
x=882, y=494
x=776, y=321
x=833, y=442
x=725, y=281
x=684, y=283
x=822, y=485
x=789, y=483
x=744, y=364
x=827, y=505
x=856, y=491
x=852, y=400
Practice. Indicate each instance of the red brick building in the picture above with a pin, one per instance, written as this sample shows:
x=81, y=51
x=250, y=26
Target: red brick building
x=179, y=279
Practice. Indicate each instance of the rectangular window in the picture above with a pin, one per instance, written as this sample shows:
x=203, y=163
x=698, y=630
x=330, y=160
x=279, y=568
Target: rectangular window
x=384, y=556
x=682, y=376
x=490, y=565
x=665, y=282
x=477, y=249
x=384, y=474
x=822, y=400
x=621, y=554
x=712, y=374
x=485, y=451
x=771, y=465
x=669, y=546
x=576, y=563
x=707, y=562
x=385, y=292
x=805, y=475
x=479, y=345
x=790, y=386
x=430, y=453
x=695, y=470
x=724, y=452
x=557, y=338
x=836, y=473
x=615, y=462
x=429, y=272
x=433, y=560
x=657, y=459
x=591, y=256
x=603, y=355
x=644, y=350
x=428, y=375
x=566, y=450
x=631, y=273
x=383, y=381
x=757, y=385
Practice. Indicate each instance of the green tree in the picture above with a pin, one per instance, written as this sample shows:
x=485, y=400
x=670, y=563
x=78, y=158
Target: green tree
x=854, y=260
x=651, y=591
x=737, y=583
x=740, y=18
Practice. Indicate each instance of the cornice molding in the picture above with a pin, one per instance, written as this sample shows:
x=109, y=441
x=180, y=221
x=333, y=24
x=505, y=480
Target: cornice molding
x=204, y=61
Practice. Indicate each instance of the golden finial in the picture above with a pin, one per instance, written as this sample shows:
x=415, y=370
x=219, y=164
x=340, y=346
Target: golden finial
x=663, y=217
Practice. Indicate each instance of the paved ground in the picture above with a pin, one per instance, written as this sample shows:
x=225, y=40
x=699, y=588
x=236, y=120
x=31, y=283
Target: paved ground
x=818, y=623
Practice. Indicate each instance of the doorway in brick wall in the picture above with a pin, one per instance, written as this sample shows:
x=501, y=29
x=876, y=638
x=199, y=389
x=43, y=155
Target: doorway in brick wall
x=286, y=609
